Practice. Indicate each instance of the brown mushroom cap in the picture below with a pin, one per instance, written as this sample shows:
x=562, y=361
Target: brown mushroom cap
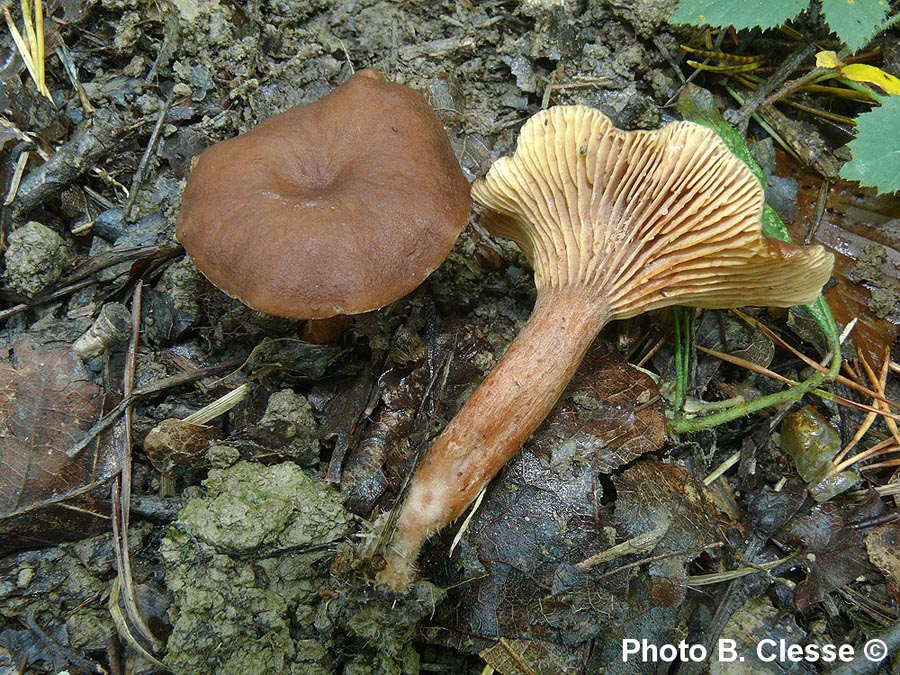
x=337, y=207
x=646, y=218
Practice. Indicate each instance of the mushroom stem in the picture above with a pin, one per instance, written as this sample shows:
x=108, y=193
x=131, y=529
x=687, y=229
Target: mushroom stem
x=326, y=331
x=496, y=420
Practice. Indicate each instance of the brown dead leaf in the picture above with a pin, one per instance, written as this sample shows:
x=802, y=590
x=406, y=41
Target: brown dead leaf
x=531, y=657
x=660, y=496
x=883, y=547
x=174, y=445
x=378, y=463
x=863, y=231
x=47, y=404
x=611, y=412
x=834, y=551
x=516, y=565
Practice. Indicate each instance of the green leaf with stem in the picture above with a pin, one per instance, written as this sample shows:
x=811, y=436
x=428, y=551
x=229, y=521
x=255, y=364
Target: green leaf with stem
x=855, y=22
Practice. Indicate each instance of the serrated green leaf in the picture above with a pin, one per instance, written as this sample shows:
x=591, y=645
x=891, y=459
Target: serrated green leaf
x=855, y=21
x=876, y=148
x=738, y=13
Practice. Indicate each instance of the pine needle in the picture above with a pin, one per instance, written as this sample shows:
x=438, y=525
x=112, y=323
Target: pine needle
x=31, y=46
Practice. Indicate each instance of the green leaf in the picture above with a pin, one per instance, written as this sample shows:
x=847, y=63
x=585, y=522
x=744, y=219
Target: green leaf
x=738, y=13
x=855, y=21
x=876, y=148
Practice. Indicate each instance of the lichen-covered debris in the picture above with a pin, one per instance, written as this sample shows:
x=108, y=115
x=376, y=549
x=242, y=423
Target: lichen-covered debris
x=36, y=257
x=288, y=422
x=251, y=507
x=246, y=565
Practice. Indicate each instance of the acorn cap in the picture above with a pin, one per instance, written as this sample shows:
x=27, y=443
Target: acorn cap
x=644, y=218
x=337, y=207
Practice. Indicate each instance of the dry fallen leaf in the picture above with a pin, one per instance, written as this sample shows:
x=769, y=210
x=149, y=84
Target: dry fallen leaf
x=610, y=411
x=175, y=445
x=883, y=547
x=515, y=569
x=665, y=497
x=863, y=231
x=834, y=553
x=47, y=403
x=402, y=419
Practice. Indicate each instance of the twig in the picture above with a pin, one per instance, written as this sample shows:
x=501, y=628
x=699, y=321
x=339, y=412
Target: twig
x=879, y=382
x=65, y=57
x=17, y=177
x=886, y=447
x=791, y=394
x=25, y=306
x=76, y=157
x=465, y=526
x=81, y=276
x=768, y=332
x=56, y=648
x=145, y=159
x=661, y=556
x=121, y=496
x=639, y=544
x=122, y=628
x=722, y=468
x=698, y=580
x=218, y=407
x=741, y=118
x=788, y=88
x=138, y=394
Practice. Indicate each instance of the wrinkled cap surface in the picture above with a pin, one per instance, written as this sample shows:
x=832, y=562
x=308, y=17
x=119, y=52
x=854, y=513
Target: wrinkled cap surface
x=644, y=218
x=337, y=207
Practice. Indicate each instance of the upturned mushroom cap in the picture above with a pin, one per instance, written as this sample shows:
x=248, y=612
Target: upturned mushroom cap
x=614, y=223
x=337, y=207
x=646, y=218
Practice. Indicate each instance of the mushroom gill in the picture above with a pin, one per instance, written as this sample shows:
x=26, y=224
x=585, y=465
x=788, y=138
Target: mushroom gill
x=645, y=218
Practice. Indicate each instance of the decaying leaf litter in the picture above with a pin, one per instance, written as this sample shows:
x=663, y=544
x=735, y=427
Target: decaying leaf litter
x=578, y=544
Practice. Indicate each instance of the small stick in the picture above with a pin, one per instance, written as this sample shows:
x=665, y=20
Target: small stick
x=79, y=155
x=138, y=394
x=65, y=57
x=759, y=97
x=145, y=159
x=697, y=580
x=722, y=468
x=17, y=177
x=218, y=407
x=121, y=497
x=639, y=544
x=24, y=306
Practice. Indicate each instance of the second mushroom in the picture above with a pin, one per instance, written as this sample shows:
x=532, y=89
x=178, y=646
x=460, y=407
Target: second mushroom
x=615, y=223
x=330, y=209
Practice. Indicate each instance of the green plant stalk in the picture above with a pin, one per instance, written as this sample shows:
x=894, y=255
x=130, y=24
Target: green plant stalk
x=696, y=105
x=862, y=89
x=683, y=426
x=682, y=327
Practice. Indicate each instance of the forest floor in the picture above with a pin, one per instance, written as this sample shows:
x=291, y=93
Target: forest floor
x=244, y=557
